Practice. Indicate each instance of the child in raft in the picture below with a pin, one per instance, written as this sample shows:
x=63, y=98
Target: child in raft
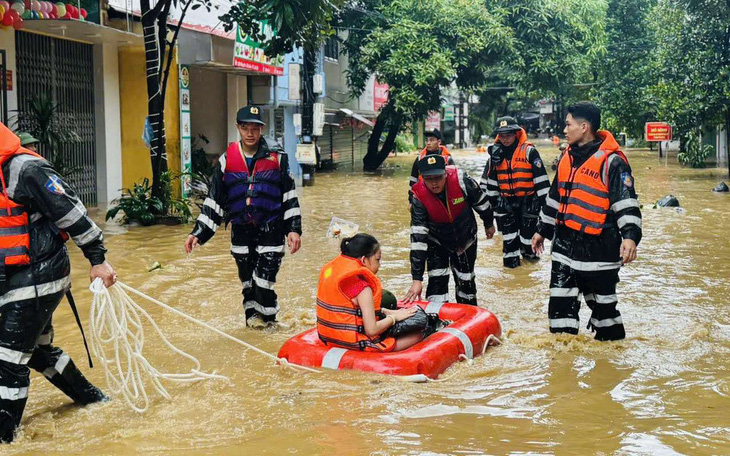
x=349, y=295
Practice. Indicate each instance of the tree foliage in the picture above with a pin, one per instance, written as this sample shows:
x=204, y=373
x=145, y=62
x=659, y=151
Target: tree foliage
x=627, y=71
x=417, y=48
x=303, y=23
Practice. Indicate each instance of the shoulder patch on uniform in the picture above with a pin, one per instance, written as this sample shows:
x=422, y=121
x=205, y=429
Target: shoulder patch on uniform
x=627, y=179
x=53, y=185
x=538, y=163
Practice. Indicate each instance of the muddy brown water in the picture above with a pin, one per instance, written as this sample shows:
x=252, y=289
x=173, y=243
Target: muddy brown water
x=663, y=390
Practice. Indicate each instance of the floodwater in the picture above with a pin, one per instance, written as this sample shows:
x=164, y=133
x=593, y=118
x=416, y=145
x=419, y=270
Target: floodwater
x=663, y=390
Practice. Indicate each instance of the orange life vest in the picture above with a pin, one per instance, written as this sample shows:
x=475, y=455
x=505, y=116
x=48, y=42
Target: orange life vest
x=339, y=320
x=443, y=151
x=514, y=176
x=455, y=199
x=14, y=222
x=584, y=196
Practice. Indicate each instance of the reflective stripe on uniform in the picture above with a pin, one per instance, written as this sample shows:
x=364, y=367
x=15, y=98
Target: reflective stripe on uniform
x=463, y=338
x=438, y=298
x=14, y=356
x=626, y=219
x=29, y=292
x=419, y=246
x=465, y=276
x=545, y=219
x=291, y=194
x=564, y=292
x=586, y=265
x=466, y=295
x=332, y=358
x=260, y=309
x=292, y=213
x=205, y=220
x=13, y=394
x=73, y=216
x=624, y=204
x=210, y=202
x=62, y=362
x=543, y=191
x=516, y=253
x=263, y=283
x=239, y=249
x=539, y=179
x=602, y=299
x=552, y=203
x=509, y=237
x=564, y=323
x=88, y=236
x=438, y=272
x=526, y=241
x=419, y=230
x=270, y=248
x=607, y=322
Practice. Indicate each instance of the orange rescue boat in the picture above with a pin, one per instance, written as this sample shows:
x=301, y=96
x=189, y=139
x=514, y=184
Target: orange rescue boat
x=471, y=331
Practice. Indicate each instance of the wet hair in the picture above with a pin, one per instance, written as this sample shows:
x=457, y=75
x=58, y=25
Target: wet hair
x=359, y=245
x=588, y=112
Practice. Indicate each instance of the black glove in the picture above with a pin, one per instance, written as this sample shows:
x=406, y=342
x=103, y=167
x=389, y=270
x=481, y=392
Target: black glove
x=497, y=153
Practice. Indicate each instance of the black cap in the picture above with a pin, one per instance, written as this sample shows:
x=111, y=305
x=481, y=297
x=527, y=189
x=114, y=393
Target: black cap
x=435, y=133
x=432, y=165
x=506, y=124
x=249, y=114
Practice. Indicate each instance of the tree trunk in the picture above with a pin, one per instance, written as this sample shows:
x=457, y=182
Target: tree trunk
x=375, y=155
x=155, y=101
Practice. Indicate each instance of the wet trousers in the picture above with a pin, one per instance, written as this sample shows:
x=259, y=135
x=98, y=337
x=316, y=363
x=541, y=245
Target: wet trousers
x=567, y=285
x=258, y=254
x=26, y=337
x=517, y=230
x=461, y=265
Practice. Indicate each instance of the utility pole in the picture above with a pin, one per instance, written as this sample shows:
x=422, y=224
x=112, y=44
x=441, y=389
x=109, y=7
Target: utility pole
x=308, y=96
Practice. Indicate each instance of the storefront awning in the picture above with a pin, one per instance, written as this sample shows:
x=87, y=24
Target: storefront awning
x=83, y=31
x=357, y=116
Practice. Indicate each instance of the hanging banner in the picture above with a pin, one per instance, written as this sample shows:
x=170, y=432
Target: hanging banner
x=380, y=95
x=433, y=121
x=185, y=128
x=249, y=55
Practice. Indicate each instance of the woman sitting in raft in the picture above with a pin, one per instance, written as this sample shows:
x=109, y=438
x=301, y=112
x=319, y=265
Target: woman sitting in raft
x=349, y=295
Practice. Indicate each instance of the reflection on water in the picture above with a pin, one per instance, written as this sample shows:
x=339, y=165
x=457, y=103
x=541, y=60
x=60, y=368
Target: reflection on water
x=664, y=390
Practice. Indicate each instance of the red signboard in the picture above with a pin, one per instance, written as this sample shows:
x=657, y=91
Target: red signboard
x=433, y=121
x=658, y=131
x=258, y=67
x=380, y=95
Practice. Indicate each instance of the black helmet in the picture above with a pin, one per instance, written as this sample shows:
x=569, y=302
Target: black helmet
x=506, y=124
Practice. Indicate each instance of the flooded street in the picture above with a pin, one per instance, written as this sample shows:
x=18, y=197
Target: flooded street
x=663, y=390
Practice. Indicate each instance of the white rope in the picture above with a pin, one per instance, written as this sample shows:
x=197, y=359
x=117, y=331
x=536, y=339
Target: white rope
x=117, y=341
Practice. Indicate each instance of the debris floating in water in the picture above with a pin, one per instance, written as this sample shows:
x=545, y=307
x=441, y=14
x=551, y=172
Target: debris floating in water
x=155, y=265
x=341, y=228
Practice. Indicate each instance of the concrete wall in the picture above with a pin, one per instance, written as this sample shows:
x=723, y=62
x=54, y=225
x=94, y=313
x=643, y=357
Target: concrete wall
x=108, y=123
x=133, y=105
x=237, y=98
x=208, y=113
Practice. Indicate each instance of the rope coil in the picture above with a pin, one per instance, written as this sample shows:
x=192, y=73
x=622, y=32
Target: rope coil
x=117, y=342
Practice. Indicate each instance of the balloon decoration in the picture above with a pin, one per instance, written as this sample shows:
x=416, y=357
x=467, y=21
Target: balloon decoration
x=14, y=12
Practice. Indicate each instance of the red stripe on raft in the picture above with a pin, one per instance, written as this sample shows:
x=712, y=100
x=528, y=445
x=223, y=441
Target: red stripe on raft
x=430, y=357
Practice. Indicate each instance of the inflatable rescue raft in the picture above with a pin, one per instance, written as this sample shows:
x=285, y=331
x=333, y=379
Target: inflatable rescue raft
x=465, y=338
